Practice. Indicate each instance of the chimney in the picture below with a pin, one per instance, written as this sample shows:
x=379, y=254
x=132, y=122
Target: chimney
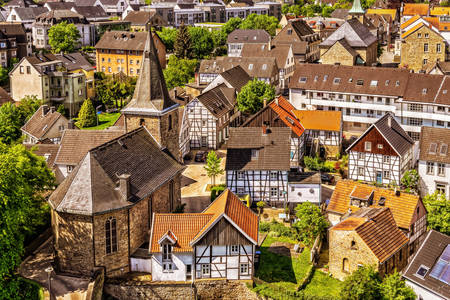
x=276, y=101
x=397, y=192
x=71, y=124
x=52, y=109
x=45, y=110
x=124, y=185
x=389, y=121
x=265, y=102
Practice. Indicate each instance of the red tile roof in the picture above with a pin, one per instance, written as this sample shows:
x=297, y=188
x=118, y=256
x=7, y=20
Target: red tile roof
x=286, y=112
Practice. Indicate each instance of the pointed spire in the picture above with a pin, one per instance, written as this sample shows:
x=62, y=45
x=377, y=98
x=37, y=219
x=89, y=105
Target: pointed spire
x=151, y=91
x=356, y=8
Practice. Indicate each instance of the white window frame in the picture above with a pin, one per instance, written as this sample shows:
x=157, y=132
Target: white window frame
x=244, y=268
x=206, y=269
x=234, y=249
x=368, y=146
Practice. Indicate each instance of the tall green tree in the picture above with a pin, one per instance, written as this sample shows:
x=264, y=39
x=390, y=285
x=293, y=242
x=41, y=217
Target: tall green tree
x=179, y=71
x=310, y=222
x=254, y=21
x=87, y=116
x=10, y=123
x=212, y=166
x=410, y=180
x=23, y=179
x=393, y=287
x=202, y=42
x=63, y=37
x=362, y=284
x=251, y=97
x=28, y=105
x=231, y=25
x=183, y=43
x=4, y=76
x=438, y=212
x=168, y=37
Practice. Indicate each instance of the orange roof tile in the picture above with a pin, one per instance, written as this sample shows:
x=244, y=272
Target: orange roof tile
x=402, y=207
x=381, y=11
x=350, y=223
x=412, y=9
x=440, y=11
x=409, y=22
x=320, y=119
x=286, y=112
x=444, y=26
x=433, y=21
x=418, y=26
x=362, y=192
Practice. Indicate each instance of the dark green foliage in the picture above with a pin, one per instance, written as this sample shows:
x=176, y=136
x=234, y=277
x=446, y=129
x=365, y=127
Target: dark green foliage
x=310, y=222
x=111, y=91
x=28, y=106
x=264, y=227
x=316, y=164
x=231, y=25
x=410, y=180
x=179, y=209
x=4, y=76
x=438, y=212
x=216, y=191
x=10, y=123
x=393, y=287
x=363, y=284
x=251, y=98
x=63, y=37
x=202, y=42
x=183, y=43
x=179, y=71
x=168, y=37
x=61, y=109
x=254, y=21
x=23, y=179
x=87, y=116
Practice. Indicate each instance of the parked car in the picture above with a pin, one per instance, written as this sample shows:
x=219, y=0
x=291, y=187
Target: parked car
x=327, y=178
x=200, y=156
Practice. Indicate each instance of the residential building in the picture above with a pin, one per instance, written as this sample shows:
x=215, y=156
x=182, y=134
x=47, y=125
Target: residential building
x=140, y=20
x=46, y=124
x=368, y=237
x=434, y=161
x=151, y=106
x=351, y=44
x=365, y=94
x=56, y=79
x=410, y=10
x=283, y=54
x=5, y=97
x=241, y=10
x=18, y=4
x=219, y=243
x=273, y=8
x=421, y=45
x=13, y=43
x=109, y=200
x=407, y=209
x=240, y=37
x=48, y=19
x=164, y=9
x=121, y=51
x=280, y=113
x=48, y=152
x=114, y=7
x=382, y=154
x=261, y=68
x=130, y=8
x=75, y=144
x=258, y=163
x=91, y=13
x=304, y=41
x=188, y=14
x=25, y=15
x=323, y=26
x=427, y=273
x=323, y=131
x=59, y=5
x=304, y=187
x=440, y=68
x=214, y=11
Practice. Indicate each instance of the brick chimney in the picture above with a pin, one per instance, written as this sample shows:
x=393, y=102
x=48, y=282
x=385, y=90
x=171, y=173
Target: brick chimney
x=45, y=110
x=124, y=185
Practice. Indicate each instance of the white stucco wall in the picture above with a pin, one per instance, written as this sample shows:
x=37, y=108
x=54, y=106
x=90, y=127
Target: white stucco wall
x=428, y=181
x=178, y=273
x=305, y=193
x=422, y=293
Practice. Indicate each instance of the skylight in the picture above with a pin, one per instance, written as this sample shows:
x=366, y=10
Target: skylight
x=421, y=271
x=250, y=66
x=360, y=82
x=433, y=147
x=387, y=82
x=397, y=83
x=337, y=80
x=325, y=77
x=302, y=79
x=441, y=269
x=264, y=66
x=424, y=91
x=374, y=83
x=316, y=77
x=444, y=148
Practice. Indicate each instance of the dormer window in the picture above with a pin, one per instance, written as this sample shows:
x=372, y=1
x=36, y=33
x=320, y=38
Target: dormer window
x=433, y=147
x=444, y=148
x=255, y=153
x=167, y=252
x=424, y=91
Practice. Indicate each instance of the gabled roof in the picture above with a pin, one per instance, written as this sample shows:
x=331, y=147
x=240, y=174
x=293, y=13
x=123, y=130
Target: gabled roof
x=340, y=13
x=91, y=187
x=417, y=27
x=320, y=119
x=427, y=88
x=90, y=12
x=380, y=11
x=428, y=254
x=123, y=40
x=190, y=228
x=440, y=11
x=59, y=5
x=377, y=228
x=53, y=17
x=76, y=143
x=285, y=110
x=48, y=151
x=236, y=77
x=410, y=21
x=75, y=61
x=141, y=18
x=41, y=121
x=402, y=207
x=392, y=132
x=434, y=144
x=219, y=100
x=5, y=97
x=150, y=95
x=280, y=52
x=29, y=13
x=248, y=36
x=412, y=9
x=273, y=148
x=355, y=33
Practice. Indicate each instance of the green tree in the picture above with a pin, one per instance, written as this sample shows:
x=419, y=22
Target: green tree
x=61, y=109
x=310, y=222
x=438, y=212
x=28, y=105
x=380, y=50
x=362, y=284
x=212, y=166
x=10, y=123
x=254, y=21
x=168, y=37
x=220, y=39
x=202, y=42
x=24, y=177
x=183, y=43
x=231, y=25
x=87, y=116
x=410, y=180
x=179, y=71
x=393, y=287
x=63, y=37
x=251, y=97
x=4, y=76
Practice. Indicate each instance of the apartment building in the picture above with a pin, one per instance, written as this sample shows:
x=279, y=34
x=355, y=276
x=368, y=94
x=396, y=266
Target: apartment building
x=240, y=37
x=121, y=51
x=364, y=94
x=13, y=43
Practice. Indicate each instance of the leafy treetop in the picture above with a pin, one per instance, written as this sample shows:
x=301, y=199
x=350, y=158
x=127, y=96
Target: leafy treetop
x=251, y=97
x=438, y=212
x=63, y=37
x=310, y=222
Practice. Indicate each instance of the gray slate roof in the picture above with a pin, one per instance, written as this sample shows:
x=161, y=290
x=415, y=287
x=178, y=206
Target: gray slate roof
x=29, y=13
x=91, y=11
x=219, y=100
x=91, y=187
x=236, y=77
x=355, y=33
x=248, y=36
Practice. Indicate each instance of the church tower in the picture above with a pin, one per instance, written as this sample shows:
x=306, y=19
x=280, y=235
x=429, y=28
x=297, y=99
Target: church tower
x=357, y=11
x=151, y=105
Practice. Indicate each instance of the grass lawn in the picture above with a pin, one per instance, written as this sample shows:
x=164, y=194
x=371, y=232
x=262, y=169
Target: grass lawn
x=105, y=120
x=323, y=285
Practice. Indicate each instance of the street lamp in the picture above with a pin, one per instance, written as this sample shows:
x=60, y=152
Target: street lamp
x=49, y=271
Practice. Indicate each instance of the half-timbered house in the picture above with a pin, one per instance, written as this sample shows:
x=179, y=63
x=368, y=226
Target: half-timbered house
x=258, y=163
x=279, y=113
x=323, y=131
x=382, y=154
x=218, y=243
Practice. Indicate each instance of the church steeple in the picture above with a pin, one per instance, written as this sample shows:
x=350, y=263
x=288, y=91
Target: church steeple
x=357, y=9
x=150, y=95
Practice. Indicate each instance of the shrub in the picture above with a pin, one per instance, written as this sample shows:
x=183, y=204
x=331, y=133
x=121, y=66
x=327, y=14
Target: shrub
x=216, y=191
x=264, y=227
x=281, y=230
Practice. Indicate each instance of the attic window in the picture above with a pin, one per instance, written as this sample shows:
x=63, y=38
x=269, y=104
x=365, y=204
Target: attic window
x=302, y=79
x=433, y=147
x=444, y=92
x=337, y=80
x=350, y=79
x=397, y=83
x=387, y=82
x=289, y=31
x=374, y=83
x=290, y=120
x=382, y=201
x=255, y=153
x=359, y=82
x=250, y=66
x=424, y=91
x=316, y=78
x=444, y=148
x=325, y=78
x=421, y=271
x=264, y=67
